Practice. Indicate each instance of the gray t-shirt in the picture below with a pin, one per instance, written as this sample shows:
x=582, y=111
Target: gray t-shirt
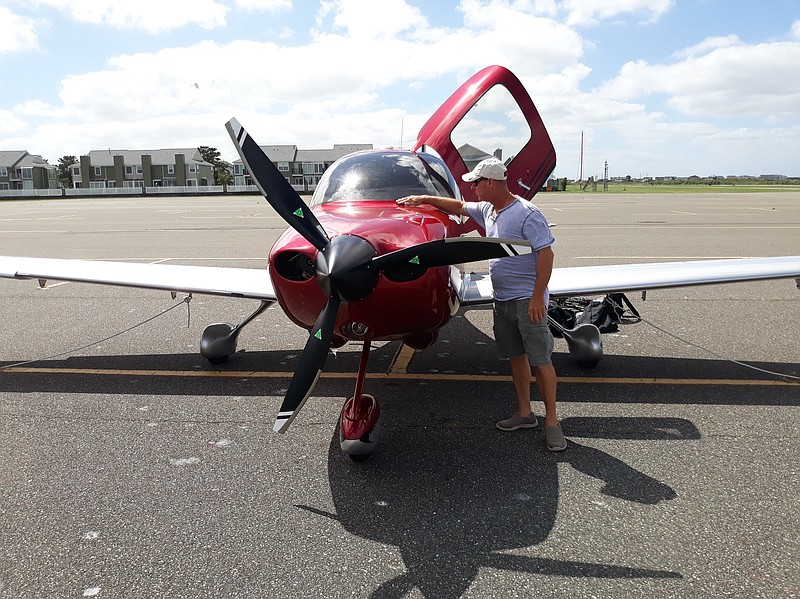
x=513, y=278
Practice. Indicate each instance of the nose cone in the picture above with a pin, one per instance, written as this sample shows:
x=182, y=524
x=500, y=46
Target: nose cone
x=343, y=268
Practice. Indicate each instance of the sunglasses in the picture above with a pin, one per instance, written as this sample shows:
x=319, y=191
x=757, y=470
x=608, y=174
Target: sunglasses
x=476, y=181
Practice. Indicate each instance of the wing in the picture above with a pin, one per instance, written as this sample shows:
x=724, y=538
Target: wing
x=476, y=288
x=211, y=280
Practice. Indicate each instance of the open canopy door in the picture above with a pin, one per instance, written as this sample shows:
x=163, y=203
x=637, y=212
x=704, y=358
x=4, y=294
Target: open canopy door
x=492, y=114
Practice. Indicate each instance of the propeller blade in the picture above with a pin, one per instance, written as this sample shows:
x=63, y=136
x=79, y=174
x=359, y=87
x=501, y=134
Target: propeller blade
x=275, y=188
x=453, y=250
x=311, y=363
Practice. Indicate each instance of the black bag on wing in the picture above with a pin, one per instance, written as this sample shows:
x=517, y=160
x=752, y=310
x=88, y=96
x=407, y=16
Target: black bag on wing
x=607, y=313
x=563, y=310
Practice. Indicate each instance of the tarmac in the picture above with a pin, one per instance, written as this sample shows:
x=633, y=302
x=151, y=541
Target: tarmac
x=133, y=468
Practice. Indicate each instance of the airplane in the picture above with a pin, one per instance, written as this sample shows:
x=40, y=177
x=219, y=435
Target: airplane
x=354, y=266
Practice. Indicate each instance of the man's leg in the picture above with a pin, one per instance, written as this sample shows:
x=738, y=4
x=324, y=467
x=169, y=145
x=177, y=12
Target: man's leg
x=546, y=384
x=521, y=375
x=523, y=417
x=509, y=343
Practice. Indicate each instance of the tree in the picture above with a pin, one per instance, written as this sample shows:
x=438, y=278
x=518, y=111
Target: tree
x=209, y=154
x=63, y=170
x=212, y=156
x=223, y=174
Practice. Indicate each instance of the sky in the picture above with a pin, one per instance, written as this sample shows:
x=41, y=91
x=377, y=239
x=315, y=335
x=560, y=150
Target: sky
x=656, y=87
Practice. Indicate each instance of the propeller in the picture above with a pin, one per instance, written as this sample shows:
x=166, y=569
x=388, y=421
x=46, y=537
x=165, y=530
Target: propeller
x=275, y=188
x=311, y=364
x=334, y=272
x=346, y=267
x=452, y=250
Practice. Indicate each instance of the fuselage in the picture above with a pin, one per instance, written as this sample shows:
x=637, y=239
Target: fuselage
x=412, y=303
x=403, y=303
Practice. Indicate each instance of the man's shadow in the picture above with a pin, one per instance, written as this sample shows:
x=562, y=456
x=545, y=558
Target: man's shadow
x=455, y=497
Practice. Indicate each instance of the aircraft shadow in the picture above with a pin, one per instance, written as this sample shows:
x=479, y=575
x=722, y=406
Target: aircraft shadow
x=455, y=499
x=76, y=376
x=462, y=338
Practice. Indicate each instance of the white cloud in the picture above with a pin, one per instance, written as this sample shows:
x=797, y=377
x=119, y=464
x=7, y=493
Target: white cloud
x=153, y=16
x=708, y=45
x=16, y=32
x=360, y=51
x=266, y=5
x=734, y=110
x=504, y=33
x=727, y=81
x=141, y=100
x=370, y=20
x=10, y=123
x=590, y=12
x=37, y=108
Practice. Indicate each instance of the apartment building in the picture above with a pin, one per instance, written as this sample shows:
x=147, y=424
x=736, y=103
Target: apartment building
x=20, y=170
x=302, y=168
x=142, y=168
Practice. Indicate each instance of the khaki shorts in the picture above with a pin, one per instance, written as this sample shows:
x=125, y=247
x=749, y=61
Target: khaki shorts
x=515, y=333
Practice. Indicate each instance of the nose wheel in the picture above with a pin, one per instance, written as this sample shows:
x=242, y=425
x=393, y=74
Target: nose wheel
x=359, y=422
x=359, y=427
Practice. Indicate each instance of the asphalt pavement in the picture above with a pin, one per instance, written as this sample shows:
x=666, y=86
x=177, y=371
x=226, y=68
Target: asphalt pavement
x=130, y=467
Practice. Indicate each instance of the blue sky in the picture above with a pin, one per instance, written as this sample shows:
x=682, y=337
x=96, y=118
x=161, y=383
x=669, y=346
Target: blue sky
x=659, y=87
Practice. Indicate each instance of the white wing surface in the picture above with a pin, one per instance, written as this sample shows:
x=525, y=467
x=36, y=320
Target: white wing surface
x=211, y=280
x=473, y=288
x=476, y=288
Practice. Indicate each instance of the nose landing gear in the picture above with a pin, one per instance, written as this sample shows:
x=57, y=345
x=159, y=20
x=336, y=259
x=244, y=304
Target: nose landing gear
x=359, y=422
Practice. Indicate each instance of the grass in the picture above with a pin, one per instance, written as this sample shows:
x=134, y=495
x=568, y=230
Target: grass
x=643, y=188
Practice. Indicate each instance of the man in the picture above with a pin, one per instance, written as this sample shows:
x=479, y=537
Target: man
x=520, y=289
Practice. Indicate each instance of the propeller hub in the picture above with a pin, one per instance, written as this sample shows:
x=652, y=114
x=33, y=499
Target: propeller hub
x=342, y=268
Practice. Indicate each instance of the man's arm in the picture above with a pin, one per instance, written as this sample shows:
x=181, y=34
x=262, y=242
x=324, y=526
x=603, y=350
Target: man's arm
x=537, y=309
x=449, y=205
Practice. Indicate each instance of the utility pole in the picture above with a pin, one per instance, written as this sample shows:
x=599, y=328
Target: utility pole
x=605, y=177
x=580, y=175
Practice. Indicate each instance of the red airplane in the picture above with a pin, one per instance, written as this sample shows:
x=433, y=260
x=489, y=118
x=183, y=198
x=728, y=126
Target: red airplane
x=355, y=266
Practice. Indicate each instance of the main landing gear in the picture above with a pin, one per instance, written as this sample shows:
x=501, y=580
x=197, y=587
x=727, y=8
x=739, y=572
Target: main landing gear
x=359, y=422
x=219, y=339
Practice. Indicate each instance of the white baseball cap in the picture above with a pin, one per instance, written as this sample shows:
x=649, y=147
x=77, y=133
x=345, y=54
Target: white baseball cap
x=489, y=168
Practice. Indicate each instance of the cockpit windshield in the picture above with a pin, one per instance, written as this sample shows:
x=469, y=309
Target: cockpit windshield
x=385, y=175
